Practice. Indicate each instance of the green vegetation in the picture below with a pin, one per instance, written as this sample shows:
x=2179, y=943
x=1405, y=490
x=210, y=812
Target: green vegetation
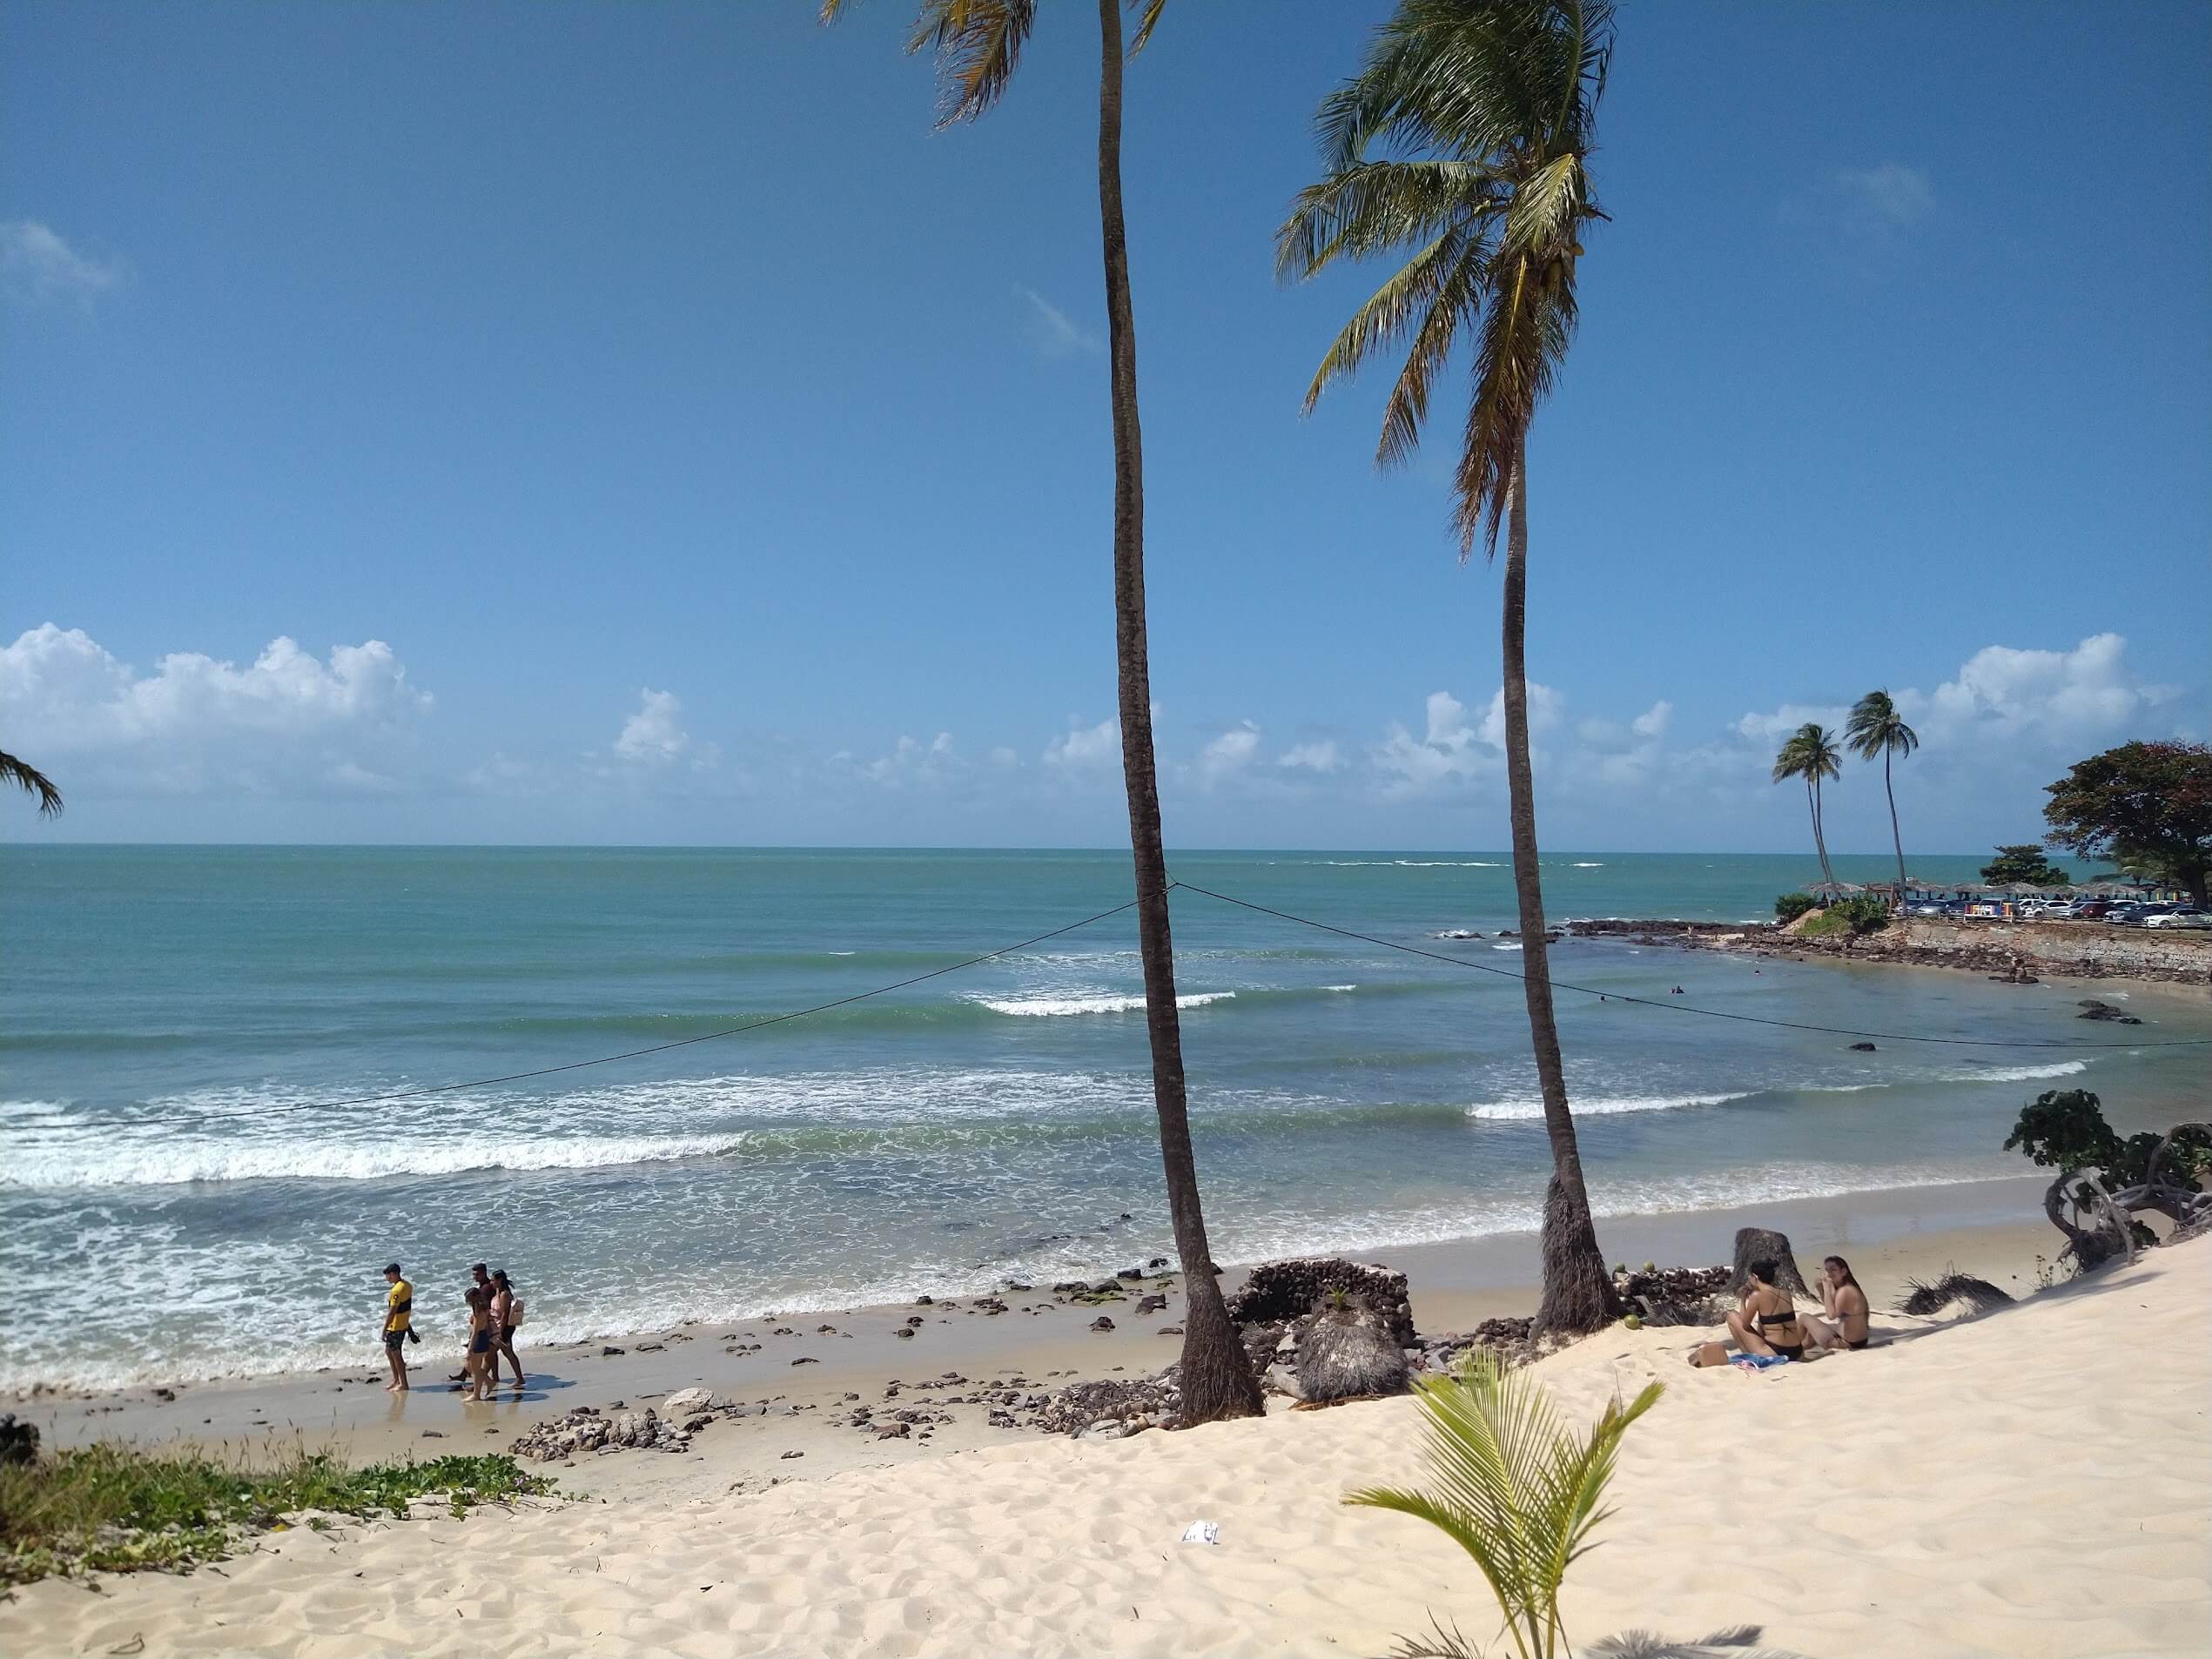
x=2065, y=1129
x=110, y=1509
x=2147, y=805
x=2025, y=863
x=1860, y=913
x=1516, y=1490
x=30, y=779
x=1790, y=906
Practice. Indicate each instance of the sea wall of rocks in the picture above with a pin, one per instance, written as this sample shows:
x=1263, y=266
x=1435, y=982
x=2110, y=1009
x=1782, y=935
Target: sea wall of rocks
x=2004, y=950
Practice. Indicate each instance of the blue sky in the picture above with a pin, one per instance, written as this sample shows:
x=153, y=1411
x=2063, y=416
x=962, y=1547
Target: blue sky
x=632, y=422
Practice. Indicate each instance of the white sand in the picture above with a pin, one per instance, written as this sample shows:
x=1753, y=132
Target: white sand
x=2038, y=1483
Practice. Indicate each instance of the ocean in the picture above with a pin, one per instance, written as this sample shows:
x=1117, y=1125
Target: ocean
x=182, y=1194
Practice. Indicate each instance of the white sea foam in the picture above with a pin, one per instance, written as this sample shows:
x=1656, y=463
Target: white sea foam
x=1597, y=1105
x=1340, y=987
x=1045, y=1006
x=133, y=1161
x=2018, y=1073
x=1505, y=947
x=1587, y=864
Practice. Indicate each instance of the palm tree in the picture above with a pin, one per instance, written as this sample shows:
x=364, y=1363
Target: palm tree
x=1811, y=754
x=978, y=43
x=33, y=781
x=1465, y=137
x=1514, y=1488
x=1876, y=727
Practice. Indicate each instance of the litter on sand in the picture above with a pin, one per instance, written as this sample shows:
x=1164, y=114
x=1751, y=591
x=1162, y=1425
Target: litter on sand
x=1202, y=1532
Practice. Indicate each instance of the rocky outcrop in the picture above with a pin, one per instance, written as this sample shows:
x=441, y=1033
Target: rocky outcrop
x=1279, y=1292
x=2016, y=952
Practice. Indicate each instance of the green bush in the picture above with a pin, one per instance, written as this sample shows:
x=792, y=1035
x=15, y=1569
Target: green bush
x=112, y=1508
x=1862, y=912
x=1790, y=906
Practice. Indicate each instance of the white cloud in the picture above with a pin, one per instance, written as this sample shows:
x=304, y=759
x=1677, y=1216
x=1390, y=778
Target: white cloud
x=1653, y=721
x=1081, y=747
x=913, y=761
x=1231, y=751
x=1894, y=192
x=653, y=736
x=289, y=721
x=1544, y=705
x=1319, y=756
x=1770, y=728
x=2085, y=693
x=36, y=264
x=1053, y=331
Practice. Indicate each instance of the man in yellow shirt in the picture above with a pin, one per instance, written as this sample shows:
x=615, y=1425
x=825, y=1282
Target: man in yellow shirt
x=399, y=1316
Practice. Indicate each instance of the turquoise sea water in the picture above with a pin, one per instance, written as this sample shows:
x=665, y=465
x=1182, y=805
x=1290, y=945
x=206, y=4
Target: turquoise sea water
x=179, y=1198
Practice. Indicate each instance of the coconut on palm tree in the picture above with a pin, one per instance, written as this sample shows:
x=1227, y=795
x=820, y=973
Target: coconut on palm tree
x=1463, y=144
x=978, y=45
x=32, y=781
x=1810, y=753
x=1876, y=727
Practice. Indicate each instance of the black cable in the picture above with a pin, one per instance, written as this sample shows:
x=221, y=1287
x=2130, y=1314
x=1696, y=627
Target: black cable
x=1675, y=1007
x=681, y=1042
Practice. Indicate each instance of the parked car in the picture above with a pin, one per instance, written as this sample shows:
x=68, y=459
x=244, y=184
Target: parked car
x=2046, y=909
x=2093, y=910
x=1928, y=907
x=2177, y=916
x=2128, y=916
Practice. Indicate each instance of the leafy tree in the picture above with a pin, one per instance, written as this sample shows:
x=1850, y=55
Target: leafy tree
x=2025, y=863
x=1514, y=1488
x=32, y=781
x=1790, y=906
x=2148, y=805
x=979, y=45
x=1876, y=727
x=1464, y=139
x=2065, y=1129
x=1811, y=754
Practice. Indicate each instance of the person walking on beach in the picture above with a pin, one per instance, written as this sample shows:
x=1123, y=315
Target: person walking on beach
x=480, y=1278
x=474, y=1387
x=399, y=1320
x=506, y=1313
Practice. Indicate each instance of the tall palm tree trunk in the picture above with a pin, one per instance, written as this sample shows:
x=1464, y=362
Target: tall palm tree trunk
x=1819, y=844
x=1820, y=833
x=1896, y=839
x=1217, y=1379
x=1577, y=1291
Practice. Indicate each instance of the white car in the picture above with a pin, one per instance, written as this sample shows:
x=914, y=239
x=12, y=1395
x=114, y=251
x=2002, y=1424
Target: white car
x=2042, y=907
x=2182, y=916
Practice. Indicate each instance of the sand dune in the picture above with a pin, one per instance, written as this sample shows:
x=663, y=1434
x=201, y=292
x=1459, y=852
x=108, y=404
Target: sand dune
x=2036, y=1483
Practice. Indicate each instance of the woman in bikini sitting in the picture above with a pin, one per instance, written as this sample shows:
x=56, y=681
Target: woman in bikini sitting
x=1844, y=1303
x=1767, y=1322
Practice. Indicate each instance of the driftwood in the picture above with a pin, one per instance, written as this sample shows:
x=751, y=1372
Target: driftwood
x=2099, y=1222
x=1753, y=1244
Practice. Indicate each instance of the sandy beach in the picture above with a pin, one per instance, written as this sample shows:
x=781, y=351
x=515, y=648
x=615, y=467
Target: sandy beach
x=1912, y=1500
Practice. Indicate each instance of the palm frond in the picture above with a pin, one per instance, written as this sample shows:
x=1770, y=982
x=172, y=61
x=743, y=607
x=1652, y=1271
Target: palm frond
x=1148, y=20
x=32, y=781
x=1512, y=1485
x=979, y=45
x=1380, y=205
x=1875, y=727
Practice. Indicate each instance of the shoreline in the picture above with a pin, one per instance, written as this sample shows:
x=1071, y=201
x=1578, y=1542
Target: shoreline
x=800, y=1378
x=1916, y=1518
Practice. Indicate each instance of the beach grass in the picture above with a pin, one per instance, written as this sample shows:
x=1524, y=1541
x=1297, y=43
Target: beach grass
x=113, y=1509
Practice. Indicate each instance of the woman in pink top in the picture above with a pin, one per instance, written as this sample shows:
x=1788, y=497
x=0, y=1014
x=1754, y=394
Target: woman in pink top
x=506, y=1313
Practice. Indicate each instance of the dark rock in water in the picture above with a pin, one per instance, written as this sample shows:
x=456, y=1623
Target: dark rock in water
x=1862, y=1048
x=18, y=1440
x=1130, y=1274
x=1102, y=1323
x=2092, y=1008
x=1157, y=1261
x=906, y=1331
x=1151, y=1303
x=1279, y=1291
x=1347, y=1353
